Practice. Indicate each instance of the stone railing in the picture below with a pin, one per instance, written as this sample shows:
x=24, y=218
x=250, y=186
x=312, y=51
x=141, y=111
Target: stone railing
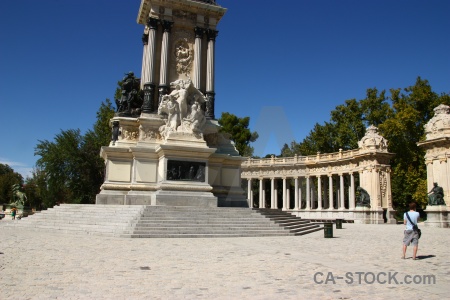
x=319, y=157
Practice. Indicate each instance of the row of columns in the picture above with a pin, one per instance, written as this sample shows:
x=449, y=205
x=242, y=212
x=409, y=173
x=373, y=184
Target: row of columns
x=309, y=193
x=148, y=64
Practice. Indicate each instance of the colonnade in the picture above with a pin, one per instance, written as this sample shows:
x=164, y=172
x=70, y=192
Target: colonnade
x=320, y=192
x=353, y=184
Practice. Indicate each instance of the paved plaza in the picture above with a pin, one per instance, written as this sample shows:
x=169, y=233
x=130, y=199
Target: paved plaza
x=360, y=262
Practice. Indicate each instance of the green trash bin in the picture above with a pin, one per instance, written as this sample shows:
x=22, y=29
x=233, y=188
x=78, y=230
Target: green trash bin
x=339, y=223
x=328, y=230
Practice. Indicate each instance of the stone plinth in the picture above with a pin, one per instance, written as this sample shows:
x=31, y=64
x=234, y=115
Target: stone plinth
x=437, y=216
x=365, y=215
x=179, y=169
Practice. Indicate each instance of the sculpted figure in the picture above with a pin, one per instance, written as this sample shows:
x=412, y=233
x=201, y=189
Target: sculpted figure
x=170, y=107
x=19, y=197
x=363, y=198
x=180, y=93
x=195, y=121
x=115, y=132
x=130, y=102
x=436, y=195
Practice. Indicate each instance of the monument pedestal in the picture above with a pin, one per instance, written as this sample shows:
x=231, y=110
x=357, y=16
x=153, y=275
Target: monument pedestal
x=366, y=215
x=144, y=167
x=437, y=216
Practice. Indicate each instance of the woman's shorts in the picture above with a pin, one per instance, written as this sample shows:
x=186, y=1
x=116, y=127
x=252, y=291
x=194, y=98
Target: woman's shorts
x=411, y=237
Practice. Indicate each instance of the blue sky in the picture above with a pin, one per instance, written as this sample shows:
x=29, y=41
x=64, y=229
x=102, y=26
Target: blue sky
x=285, y=64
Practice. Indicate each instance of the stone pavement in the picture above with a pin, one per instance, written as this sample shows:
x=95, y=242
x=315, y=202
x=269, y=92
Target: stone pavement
x=46, y=265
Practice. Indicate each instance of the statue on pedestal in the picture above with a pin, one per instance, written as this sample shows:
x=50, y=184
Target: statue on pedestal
x=129, y=104
x=436, y=195
x=363, y=198
x=19, y=197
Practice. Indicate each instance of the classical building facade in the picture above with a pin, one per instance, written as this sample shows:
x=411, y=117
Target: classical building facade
x=352, y=184
x=437, y=159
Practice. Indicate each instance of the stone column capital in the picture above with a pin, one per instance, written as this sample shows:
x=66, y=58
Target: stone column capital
x=145, y=38
x=212, y=34
x=167, y=25
x=199, y=32
x=152, y=23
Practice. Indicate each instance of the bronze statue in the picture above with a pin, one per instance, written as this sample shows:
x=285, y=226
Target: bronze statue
x=115, y=132
x=19, y=197
x=130, y=103
x=363, y=198
x=436, y=195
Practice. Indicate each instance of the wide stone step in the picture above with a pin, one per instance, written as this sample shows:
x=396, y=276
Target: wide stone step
x=212, y=235
x=205, y=224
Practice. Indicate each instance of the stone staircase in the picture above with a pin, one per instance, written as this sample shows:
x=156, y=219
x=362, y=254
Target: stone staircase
x=110, y=220
x=135, y=221
x=188, y=221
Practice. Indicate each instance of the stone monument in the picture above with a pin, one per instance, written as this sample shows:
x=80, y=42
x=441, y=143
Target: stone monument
x=167, y=148
x=437, y=159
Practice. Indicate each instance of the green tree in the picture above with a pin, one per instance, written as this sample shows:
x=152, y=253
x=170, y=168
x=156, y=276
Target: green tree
x=7, y=179
x=412, y=109
x=239, y=132
x=35, y=188
x=70, y=165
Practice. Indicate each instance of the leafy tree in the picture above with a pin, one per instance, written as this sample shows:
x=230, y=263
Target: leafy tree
x=7, y=179
x=348, y=124
x=239, y=131
x=412, y=109
x=36, y=190
x=70, y=165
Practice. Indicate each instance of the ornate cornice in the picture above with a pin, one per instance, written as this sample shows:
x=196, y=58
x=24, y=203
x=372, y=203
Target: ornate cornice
x=198, y=7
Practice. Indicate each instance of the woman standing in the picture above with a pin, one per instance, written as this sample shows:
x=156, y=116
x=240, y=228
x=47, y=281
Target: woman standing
x=411, y=236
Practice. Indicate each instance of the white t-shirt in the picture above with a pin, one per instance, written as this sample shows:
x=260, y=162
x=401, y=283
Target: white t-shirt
x=414, y=216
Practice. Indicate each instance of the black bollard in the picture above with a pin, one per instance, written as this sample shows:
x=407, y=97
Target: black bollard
x=339, y=223
x=328, y=230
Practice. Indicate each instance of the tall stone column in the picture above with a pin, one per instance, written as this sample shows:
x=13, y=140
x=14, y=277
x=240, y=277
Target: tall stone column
x=308, y=194
x=300, y=200
x=388, y=189
x=272, y=193
x=249, y=192
x=210, y=94
x=149, y=85
x=198, y=57
x=163, y=88
x=330, y=185
x=341, y=189
x=296, y=202
x=144, y=71
x=351, y=202
x=430, y=176
x=261, y=192
x=284, y=194
x=319, y=193
x=276, y=194
x=376, y=188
